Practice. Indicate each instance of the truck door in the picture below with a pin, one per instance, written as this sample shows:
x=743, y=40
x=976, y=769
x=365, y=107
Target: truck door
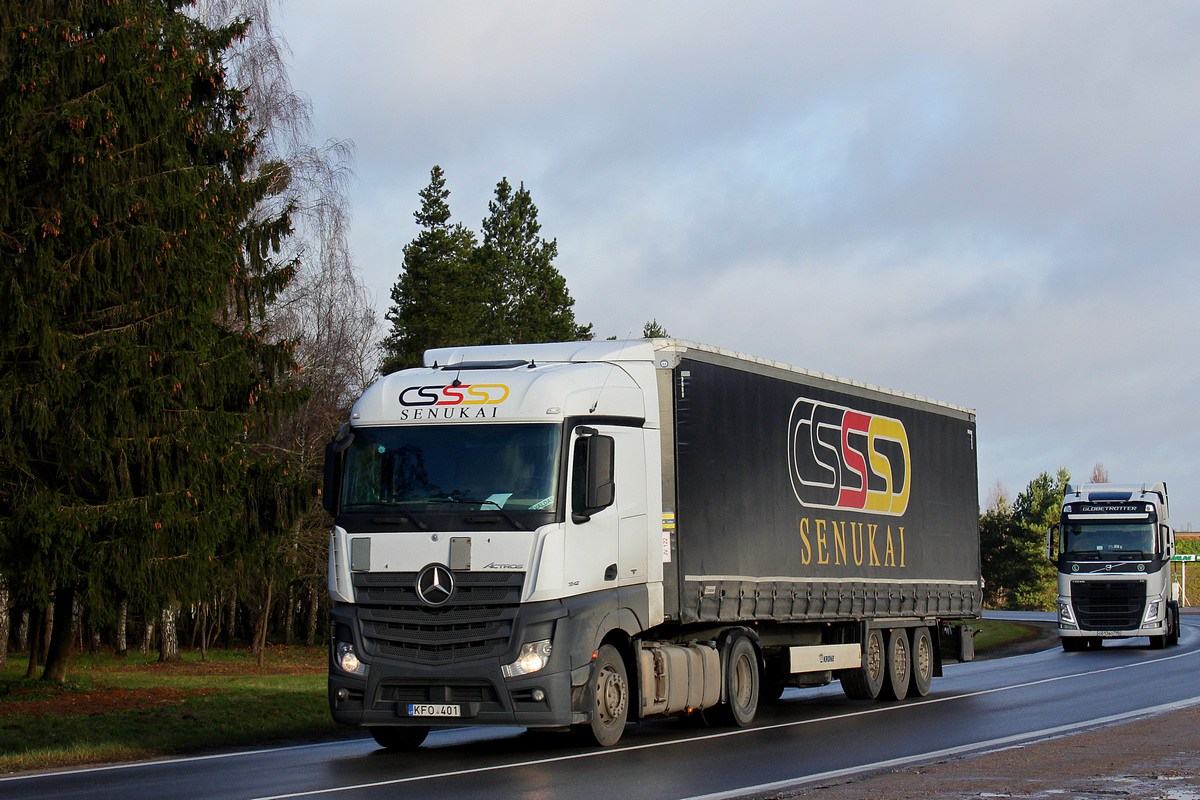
x=606, y=532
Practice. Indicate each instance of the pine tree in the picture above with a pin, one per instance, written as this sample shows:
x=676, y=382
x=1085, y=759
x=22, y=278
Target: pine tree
x=1013, y=545
x=529, y=301
x=653, y=330
x=438, y=299
x=135, y=374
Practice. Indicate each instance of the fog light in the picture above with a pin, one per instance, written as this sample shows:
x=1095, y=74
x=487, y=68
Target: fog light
x=533, y=656
x=538, y=696
x=347, y=659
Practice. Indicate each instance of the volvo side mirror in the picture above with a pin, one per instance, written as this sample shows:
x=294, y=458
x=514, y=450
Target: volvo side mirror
x=1052, y=542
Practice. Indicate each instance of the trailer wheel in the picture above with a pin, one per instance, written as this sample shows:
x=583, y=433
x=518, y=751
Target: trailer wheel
x=396, y=737
x=899, y=665
x=609, y=687
x=922, y=663
x=866, y=682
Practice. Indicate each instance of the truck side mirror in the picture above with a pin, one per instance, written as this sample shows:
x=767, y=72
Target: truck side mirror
x=594, y=488
x=1168, y=538
x=1052, y=542
x=332, y=484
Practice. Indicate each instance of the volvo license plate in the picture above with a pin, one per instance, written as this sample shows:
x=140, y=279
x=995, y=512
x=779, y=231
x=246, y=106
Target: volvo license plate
x=434, y=710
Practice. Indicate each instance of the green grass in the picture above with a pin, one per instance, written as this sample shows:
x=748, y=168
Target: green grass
x=993, y=633
x=132, y=709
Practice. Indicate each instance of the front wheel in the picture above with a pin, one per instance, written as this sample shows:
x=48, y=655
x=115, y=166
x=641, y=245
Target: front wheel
x=1073, y=644
x=609, y=688
x=395, y=737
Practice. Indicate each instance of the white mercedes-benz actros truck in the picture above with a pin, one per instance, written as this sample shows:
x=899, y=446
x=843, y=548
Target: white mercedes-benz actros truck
x=1113, y=548
x=580, y=535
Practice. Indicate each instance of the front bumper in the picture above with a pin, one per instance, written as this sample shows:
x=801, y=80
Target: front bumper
x=475, y=689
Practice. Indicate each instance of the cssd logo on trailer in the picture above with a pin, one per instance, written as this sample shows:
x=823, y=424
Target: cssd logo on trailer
x=848, y=460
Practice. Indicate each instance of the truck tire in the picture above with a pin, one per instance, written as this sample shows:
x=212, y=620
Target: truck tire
x=1173, y=629
x=899, y=666
x=1073, y=644
x=608, y=686
x=396, y=737
x=922, y=663
x=743, y=683
x=866, y=682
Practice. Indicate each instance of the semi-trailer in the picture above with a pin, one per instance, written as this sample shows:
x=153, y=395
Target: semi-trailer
x=1112, y=548
x=578, y=535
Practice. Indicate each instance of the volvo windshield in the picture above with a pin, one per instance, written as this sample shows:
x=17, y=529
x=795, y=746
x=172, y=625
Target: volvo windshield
x=1094, y=541
x=503, y=468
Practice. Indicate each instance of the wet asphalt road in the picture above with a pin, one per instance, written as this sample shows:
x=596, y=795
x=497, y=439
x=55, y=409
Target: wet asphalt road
x=808, y=737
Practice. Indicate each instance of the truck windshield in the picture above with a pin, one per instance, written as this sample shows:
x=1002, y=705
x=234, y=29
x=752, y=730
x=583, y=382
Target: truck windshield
x=507, y=467
x=1103, y=541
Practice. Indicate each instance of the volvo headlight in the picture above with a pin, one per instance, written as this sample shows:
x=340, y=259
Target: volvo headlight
x=1065, y=616
x=347, y=659
x=533, y=657
x=1152, y=611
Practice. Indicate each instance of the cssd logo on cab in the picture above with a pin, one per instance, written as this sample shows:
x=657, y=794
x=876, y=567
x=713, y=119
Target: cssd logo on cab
x=464, y=394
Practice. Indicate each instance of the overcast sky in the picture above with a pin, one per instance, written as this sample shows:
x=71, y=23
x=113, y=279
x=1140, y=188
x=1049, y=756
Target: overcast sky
x=992, y=204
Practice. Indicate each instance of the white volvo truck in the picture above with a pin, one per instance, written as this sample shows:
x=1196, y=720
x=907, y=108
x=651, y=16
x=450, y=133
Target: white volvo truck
x=580, y=535
x=1113, y=549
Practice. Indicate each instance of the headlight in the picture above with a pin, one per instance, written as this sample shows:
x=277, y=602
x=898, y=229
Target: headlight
x=533, y=657
x=1064, y=613
x=347, y=659
x=1152, y=611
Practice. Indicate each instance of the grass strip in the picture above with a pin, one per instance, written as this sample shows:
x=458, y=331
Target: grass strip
x=134, y=709
x=993, y=633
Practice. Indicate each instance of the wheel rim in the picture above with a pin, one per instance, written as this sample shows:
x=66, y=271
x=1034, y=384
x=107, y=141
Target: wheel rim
x=874, y=658
x=924, y=658
x=900, y=665
x=611, y=695
x=743, y=682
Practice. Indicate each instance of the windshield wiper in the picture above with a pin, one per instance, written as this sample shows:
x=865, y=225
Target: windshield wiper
x=485, y=506
x=405, y=515
x=516, y=523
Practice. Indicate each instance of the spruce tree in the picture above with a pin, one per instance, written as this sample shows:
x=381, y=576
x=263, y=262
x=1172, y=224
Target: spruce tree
x=135, y=374
x=438, y=299
x=529, y=301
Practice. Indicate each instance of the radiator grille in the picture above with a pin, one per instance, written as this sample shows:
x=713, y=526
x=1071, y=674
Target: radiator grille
x=1108, y=605
x=476, y=622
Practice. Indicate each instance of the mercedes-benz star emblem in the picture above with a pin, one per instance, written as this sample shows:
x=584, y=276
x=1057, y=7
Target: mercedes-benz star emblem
x=435, y=584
